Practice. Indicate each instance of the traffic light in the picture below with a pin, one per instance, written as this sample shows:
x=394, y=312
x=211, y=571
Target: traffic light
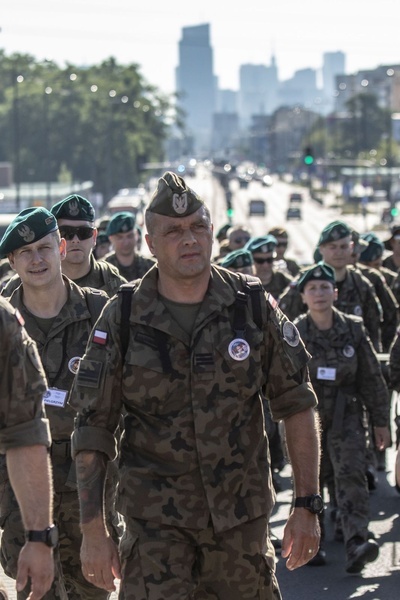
x=308, y=156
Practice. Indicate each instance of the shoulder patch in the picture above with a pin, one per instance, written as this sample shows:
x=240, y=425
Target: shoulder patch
x=89, y=373
x=290, y=334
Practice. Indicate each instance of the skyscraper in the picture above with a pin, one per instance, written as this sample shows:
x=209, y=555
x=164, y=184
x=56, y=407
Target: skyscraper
x=195, y=84
x=333, y=65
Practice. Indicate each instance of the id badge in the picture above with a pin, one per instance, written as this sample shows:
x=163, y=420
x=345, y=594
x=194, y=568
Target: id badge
x=326, y=373
x=55, y=397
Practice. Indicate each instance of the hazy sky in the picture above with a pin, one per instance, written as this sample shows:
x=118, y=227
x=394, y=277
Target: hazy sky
x=298, y=32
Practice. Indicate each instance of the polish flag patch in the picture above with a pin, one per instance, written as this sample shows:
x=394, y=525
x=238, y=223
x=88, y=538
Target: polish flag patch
x=100, y=337
x=272, y=301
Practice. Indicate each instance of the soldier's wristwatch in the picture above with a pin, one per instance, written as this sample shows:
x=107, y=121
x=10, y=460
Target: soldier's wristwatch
x=48, y=536
x=313, y=503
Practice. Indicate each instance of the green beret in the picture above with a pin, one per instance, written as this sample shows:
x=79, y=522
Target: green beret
x=333, y=232
x=265, y=243
x=395, y=231
x=317, y=256
x=237, y=259
x=318, y=272
x=30, y=225
x=359, y=243
x=121, y=222
x=374, y=249
x=74, y=208
x=102, y=238
x=221, y=233
x=173, y=198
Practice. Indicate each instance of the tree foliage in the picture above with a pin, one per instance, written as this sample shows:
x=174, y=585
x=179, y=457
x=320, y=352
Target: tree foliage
x=99, y=123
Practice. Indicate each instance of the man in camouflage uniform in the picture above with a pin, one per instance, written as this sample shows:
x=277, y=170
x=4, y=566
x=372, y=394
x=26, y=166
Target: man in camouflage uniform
x=24, y=439
x=75, y=218
x=263, y=249
x=123, y=235
x=346, y=376
x=356, y=294
x=239, y=261
x=186, y=367
x=282, y=237
x=392, y=261
x=59, y=316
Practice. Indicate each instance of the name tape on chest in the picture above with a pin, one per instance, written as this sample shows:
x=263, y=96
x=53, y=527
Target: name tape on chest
x=55, y=397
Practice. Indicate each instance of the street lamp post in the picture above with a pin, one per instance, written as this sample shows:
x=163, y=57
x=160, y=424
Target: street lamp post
x=16, y=80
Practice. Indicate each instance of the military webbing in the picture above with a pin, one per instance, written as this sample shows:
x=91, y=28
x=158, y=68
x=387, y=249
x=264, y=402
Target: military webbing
x=95, y=302
x=251, y=287
x=126, y=290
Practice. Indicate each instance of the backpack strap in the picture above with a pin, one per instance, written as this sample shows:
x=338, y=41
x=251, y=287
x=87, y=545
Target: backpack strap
x=256, y=290
x=95, y=300
x=126, y=291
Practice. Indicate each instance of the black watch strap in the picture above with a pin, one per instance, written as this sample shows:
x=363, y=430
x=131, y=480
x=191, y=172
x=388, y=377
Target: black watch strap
x=48, y=536
x=313, y=503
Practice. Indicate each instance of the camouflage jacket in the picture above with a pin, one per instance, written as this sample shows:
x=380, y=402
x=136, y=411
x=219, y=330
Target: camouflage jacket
x=22, y=385
x=278, y=284
x=343, y=359
x=388, y=302
x=194, y=444
x=60, y=349
x=102, y=276
x=137, y=269
x=356, y=295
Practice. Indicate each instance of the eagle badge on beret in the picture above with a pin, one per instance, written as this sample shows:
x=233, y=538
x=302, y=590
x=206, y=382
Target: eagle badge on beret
x=180, y=203
x=73, y=208
x=26, y=233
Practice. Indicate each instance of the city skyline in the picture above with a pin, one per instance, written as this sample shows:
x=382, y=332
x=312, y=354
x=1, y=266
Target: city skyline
x=297, y=34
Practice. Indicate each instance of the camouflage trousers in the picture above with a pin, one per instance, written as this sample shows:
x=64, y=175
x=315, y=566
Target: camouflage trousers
x=173, y=563
x=344, y=461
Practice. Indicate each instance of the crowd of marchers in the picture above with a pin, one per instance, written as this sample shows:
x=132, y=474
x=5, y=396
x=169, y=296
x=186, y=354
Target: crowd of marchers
x=161, y=396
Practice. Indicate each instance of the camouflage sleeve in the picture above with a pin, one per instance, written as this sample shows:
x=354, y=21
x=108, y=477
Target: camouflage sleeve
x=372, y=316
x=23, y=382
x=394, y=364
x=370, y=382
x=96, y=393
x=288, y=387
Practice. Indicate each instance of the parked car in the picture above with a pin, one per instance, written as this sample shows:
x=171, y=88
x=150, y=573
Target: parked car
x=293, y=212
x=257, y=208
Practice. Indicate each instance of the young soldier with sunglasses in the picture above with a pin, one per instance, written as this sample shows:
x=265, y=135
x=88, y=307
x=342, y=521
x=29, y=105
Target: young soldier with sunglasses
x=263, y=250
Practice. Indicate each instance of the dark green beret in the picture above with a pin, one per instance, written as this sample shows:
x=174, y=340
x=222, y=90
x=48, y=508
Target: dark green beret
x=74, y=208
x=333, y=232
x=395, y=231
x=102, y=238
x=318, y=272
x=374, y=249
x=221, y=233
x=265, y=243
x=31, y=224
x=317, y=256
x=237, y=259
x=359, y=243
x=121, y=222
x=173, y=198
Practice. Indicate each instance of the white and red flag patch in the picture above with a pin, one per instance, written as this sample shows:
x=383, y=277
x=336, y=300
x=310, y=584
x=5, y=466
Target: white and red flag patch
x=100, y=337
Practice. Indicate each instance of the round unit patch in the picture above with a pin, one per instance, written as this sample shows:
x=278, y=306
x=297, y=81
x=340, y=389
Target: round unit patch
x=239, y=349
x=290, y=334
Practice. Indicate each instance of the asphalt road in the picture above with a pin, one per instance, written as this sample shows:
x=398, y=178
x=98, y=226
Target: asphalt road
x=378, y=581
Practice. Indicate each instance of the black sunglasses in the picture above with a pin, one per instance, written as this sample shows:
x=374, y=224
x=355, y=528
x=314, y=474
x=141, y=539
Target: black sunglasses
x=68, y=232
x=282, y=244
x=261, y=261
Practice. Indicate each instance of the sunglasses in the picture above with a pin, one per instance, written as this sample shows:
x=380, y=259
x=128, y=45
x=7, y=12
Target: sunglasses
x=283, y=244
x=261, y=261
x=241, y=240
x=83, y=233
